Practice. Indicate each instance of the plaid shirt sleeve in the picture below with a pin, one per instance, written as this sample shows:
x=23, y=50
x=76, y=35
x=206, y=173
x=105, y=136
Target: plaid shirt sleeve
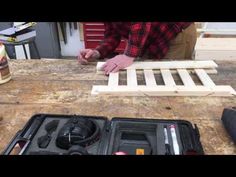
x=111, y=41
x=138, y=35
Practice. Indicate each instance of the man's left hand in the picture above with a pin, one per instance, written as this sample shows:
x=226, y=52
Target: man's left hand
x=118, y=62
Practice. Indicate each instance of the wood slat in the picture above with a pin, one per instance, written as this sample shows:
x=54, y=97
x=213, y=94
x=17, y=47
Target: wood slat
x=167, y=77
x=169, y=65
x=113, y=79
x=173, y=71
x=164, y=91
x=149, y=78
x=186, y=78
x=132, y=77
x=204, y=78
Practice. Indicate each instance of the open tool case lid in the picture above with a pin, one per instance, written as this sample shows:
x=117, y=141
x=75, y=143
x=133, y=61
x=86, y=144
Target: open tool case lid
x=128, y=136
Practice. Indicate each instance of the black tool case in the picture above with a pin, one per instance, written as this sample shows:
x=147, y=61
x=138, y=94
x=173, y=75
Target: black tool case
x=47, y=134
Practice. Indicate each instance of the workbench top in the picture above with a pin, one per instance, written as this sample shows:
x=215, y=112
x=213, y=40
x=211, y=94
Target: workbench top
x=63, y=87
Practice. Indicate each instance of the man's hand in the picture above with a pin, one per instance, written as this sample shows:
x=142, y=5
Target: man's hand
x=118, y=62
x=88, y=55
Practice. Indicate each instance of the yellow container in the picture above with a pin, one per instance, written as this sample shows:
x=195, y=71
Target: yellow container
x=5, y=74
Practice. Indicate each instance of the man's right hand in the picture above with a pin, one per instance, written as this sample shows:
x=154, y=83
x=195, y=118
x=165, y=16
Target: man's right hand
x=88, y=55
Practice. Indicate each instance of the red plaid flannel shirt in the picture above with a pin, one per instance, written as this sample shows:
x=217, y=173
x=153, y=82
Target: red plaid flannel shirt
x=151, y=37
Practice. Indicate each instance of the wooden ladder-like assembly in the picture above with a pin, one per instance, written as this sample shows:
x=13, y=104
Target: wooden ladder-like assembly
x=166, y=68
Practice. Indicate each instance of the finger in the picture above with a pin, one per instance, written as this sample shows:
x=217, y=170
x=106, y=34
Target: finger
x=109, y=68
x=104, y=65
x=113, y=70
x=81, y=60
x=105, y=69
x=116, y=69
x=83, y=53
x=89, y=54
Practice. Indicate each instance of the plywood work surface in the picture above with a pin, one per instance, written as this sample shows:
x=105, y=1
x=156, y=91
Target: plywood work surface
x=64, y=87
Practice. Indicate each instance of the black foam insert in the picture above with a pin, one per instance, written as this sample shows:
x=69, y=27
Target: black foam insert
x=52, y=145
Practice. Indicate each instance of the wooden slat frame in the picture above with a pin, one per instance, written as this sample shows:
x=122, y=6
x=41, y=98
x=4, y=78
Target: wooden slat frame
x=169, y=88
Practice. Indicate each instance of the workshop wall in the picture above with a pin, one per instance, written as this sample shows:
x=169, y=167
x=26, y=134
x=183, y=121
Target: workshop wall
x=74, y=43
